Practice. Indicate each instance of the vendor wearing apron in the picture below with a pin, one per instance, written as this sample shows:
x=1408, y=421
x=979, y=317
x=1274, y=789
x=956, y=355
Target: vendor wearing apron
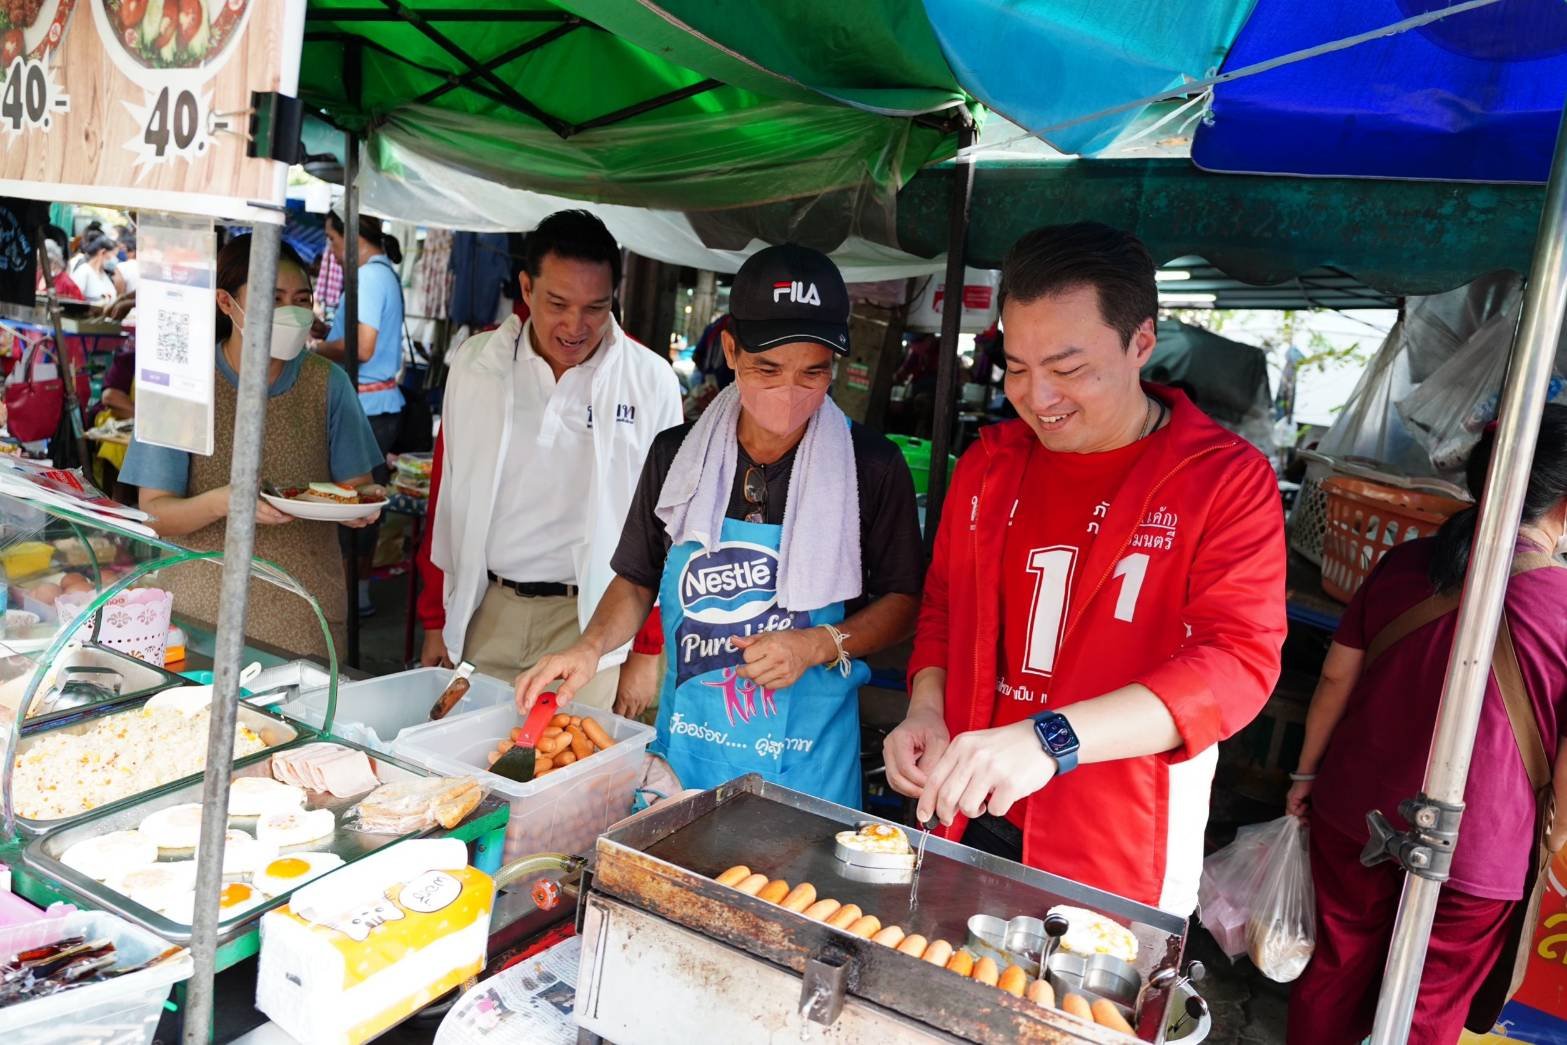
x=754, y=528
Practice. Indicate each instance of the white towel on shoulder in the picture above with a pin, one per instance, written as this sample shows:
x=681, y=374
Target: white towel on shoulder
x=819, y=559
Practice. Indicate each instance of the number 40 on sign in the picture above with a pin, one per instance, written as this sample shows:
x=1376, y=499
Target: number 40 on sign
x=29, y=97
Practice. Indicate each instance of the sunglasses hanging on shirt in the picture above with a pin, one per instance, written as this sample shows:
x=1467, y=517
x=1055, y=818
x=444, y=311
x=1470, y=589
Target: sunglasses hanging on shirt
x=754, y=488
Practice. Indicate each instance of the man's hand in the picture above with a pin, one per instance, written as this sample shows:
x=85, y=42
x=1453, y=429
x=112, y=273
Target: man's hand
x=573, y=666
x=913, y=749
x=777, y=659
x=375, y=492
x=986, y=771
x=433, y=653
x=639, y=683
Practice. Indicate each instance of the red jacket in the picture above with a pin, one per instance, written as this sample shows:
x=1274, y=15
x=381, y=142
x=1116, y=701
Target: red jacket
x=1204, y=505
x=431, y=606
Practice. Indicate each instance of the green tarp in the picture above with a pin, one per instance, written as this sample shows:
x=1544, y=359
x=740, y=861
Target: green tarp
x=1400, y=237
x=555, y=98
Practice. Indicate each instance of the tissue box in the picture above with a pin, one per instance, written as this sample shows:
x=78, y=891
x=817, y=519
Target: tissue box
x=365, y=947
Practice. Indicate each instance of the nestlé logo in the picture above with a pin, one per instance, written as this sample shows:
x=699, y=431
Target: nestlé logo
x=734, y=582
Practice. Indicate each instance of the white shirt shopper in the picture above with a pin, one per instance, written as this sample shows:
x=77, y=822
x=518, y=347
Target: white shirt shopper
x=544, y=430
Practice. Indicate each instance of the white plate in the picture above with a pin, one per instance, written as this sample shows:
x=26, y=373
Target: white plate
x=321, y=511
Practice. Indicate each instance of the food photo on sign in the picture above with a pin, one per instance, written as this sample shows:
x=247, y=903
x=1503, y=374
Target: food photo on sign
x=30, y=29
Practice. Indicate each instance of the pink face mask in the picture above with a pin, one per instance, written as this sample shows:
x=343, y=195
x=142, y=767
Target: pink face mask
x=780, y=410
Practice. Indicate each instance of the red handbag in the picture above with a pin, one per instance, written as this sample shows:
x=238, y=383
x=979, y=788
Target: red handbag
x=34, y=407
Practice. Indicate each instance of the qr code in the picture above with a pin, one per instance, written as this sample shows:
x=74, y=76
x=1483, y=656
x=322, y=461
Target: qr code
x=173, y=342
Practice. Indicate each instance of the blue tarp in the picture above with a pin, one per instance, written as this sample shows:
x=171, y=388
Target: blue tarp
x=1475, y=97
x=1042, y=62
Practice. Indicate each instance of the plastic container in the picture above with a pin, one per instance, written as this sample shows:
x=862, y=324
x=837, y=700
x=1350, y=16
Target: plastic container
x=375, y=712
x=916, y=454
x=1364, y=520
x=125, y=1009
x=561, y=812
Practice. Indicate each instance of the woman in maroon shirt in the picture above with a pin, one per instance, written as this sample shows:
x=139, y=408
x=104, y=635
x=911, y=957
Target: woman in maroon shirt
x=1367, y=739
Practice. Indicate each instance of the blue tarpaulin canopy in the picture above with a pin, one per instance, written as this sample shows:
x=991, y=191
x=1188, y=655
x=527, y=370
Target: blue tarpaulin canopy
x=1474, y=97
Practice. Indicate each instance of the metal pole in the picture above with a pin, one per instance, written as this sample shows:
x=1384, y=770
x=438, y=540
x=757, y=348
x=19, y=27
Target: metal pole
x=1469, y=663
x=350, y=310
x=65, y=365
x=941, y=429
x=238, y=543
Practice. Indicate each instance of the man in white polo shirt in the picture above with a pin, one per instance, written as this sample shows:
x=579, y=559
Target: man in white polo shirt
x=544, y=430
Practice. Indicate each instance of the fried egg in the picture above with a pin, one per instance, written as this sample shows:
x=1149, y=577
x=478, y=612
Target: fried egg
x=295, y=826
x=234, y=898
x=1089, y=933
x=876, y=838
x=293, y=871
x=177, y=827
x=156, y=886
x=114, y=853
x=257, y=795
x=243, y=854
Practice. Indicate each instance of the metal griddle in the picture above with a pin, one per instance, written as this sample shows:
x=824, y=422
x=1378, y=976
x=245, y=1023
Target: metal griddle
x=662, y=864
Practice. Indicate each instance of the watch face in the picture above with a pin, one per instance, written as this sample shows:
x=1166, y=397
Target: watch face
x=1058, y=734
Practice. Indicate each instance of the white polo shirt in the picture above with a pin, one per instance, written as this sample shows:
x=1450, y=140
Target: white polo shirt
x=542, y=503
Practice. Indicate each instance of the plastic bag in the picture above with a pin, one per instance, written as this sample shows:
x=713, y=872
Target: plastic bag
x=1256, y=897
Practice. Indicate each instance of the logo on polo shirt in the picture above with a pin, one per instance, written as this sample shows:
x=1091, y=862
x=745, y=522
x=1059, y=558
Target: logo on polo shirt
x=732, y=583
x=799, y=293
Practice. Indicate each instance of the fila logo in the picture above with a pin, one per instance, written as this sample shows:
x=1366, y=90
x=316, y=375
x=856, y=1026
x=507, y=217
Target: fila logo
x=799, y=293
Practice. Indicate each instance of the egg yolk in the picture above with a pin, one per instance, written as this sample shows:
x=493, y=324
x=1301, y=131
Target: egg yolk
x=288, y=867
x=235, y=893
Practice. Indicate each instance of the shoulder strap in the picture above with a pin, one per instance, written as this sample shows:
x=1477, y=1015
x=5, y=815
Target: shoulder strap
x=1520, y=713
x=1407, y=623
x=1438, y=606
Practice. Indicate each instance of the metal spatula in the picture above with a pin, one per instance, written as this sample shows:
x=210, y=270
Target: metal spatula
x=517, y=764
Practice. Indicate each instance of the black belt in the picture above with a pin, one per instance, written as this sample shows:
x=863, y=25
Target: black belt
x=536, y=589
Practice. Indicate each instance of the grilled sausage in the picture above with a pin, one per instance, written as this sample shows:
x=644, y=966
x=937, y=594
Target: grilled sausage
x=561, y=721
x=800, y=897
x=985, y=971
x=773, y=891
x=845, y=916
x=913, y=945
x=866, y=926
x=734, y=876
x=938, y=953
x=962, y=963
x=1107, y=1015
x=890, y=935
x=822, y=910
x=1076, y=1005
x=752, y=884
x=1041, y=993
x=1013, y=980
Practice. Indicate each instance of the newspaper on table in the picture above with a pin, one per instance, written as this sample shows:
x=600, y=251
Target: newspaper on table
x=531, y=1003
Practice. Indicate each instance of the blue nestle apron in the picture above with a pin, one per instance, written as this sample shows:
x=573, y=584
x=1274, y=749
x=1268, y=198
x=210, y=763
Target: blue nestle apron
x=714, y=725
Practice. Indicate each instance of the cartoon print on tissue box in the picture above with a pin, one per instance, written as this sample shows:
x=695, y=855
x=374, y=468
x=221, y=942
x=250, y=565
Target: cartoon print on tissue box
x=366, y=946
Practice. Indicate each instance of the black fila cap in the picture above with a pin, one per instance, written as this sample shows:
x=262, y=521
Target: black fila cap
x=790, y=293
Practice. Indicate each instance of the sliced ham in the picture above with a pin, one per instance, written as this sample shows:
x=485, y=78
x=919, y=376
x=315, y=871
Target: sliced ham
x=342, y=771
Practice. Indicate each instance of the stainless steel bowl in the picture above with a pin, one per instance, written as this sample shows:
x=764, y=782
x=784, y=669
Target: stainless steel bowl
x=1015, y=942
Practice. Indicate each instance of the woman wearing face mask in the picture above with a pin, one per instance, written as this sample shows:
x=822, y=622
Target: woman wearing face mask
x=1367, y=739
x=783, y=544
x=315, y=431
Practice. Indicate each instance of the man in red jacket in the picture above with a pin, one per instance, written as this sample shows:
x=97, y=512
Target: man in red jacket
x=1106, y=600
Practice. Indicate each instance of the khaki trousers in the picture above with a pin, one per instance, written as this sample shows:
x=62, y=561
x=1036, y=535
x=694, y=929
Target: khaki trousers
x=511, y=632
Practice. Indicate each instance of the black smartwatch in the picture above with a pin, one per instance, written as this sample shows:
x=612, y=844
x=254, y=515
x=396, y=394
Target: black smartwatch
x=1058, y=738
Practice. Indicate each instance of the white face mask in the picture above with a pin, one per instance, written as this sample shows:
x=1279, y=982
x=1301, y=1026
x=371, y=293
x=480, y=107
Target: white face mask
x=290, y=329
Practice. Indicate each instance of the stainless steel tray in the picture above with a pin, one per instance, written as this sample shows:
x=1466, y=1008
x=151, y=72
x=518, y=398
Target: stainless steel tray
x=665, y=861
x=43, y=853
x=275, y=732
x=141, y=680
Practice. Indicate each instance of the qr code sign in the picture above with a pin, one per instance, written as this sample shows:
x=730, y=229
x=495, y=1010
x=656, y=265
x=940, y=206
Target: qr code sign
x=173, y=337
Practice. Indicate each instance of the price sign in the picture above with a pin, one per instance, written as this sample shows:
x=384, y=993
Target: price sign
x=30, y=97
x=142, y=103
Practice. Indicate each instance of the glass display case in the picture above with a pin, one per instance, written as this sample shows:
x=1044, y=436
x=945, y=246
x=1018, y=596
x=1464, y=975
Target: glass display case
x=90, y=602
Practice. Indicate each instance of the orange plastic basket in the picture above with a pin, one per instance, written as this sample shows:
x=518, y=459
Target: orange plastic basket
x=1365, y=519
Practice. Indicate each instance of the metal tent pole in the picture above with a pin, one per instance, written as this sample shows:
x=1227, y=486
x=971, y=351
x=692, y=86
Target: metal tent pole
x=942, y=425
x=229, y=648
x=1469, y=663
x=350, y=310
